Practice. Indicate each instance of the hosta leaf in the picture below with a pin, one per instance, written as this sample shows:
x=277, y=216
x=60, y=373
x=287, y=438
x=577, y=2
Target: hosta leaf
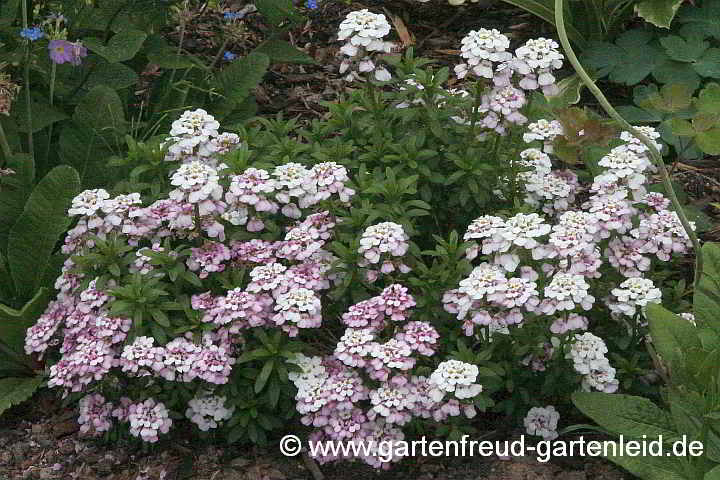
x=34, y=237
x=281, y=51
x=626, y=414
x=658, y=12
x=15, y=390
x=122, y=46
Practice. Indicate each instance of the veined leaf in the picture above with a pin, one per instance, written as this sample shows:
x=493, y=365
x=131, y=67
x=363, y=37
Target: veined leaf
x=15, y=390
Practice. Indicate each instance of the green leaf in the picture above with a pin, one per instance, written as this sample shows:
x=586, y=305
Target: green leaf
x=281, y=51
x=708, y=100
x=241, y=76
x=650, y=468
x=277, y=11
x=114, y=75
x=15, y=390
x=628, y=61
x=684, y=50
x=87, y=153
x=713, y=474
x=264, y=375
x=709, y=141
x=709, y=64
x=170, y=59
x=101, y=111
x=671, y=335
x=14, y=323
x=658, y=12
x=672, y=71
x=703, y=19
x=121, y=47
x=8, y=12
x=34, y=237
x=681, y=127
x=15, y=192
x=569, y=92
x=625, y=414
x=42, y=115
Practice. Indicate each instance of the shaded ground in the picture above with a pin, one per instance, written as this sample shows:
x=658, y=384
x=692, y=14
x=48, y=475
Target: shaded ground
x=40, y=440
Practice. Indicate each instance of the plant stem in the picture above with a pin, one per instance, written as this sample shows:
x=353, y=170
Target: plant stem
x=7, y=152
x=53, y=71
x=654, y=153
x=26, y=74
x=219, y=53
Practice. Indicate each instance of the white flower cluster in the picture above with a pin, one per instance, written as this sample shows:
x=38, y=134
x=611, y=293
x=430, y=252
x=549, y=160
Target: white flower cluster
x=542, y=422
x=454, y=376
x=386, y=241
x=634, y=294
x=206, y=411
x=588, y=356
x=194, y=136
x=363, y=32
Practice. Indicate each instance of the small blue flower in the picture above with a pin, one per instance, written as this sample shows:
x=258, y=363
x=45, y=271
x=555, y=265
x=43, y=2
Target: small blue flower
x=229, y=56
x=311, y=4
x=32, y=33
x=234, y=15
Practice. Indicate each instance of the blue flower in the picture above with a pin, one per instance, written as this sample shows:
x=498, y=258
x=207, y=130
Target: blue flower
x=32, y=33
x=229, y=56
x=234, y=15
x=311, y=4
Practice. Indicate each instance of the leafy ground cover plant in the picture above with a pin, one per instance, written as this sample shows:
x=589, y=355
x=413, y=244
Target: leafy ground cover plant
x=686, y=349
x=235, y=279
x=667, y=68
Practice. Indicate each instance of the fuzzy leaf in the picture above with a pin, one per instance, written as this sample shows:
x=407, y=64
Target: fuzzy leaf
x=15, y=390
x=650, y=468
x=122, y=46
x=706, y=301
x=34, y=237
x=101, y=111
x=670, y=334
x=625, y=414
x=682, y=49
x=14, y=323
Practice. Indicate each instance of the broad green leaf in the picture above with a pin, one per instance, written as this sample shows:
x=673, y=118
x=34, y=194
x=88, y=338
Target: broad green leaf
x=114, y=75
x=14, y=323
x=15, y=390
x=15, y=192
x=122, y=46
x=34, y=237
x=708, y=65
x=671, y=71
x=684, y=49
x=708, y=100
x=625, y=414
x=241, y=76
x=632, y=58
x=704, y=19
x=671, y=335
x=681, y=127
x=101, y=110
x=638, y=115
x=650, y=468
x=713, y=474
x=42, y=115
x=709, y=141
x=281, y=51
x=658, y=12
x=706, y=301
x=87, y=153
